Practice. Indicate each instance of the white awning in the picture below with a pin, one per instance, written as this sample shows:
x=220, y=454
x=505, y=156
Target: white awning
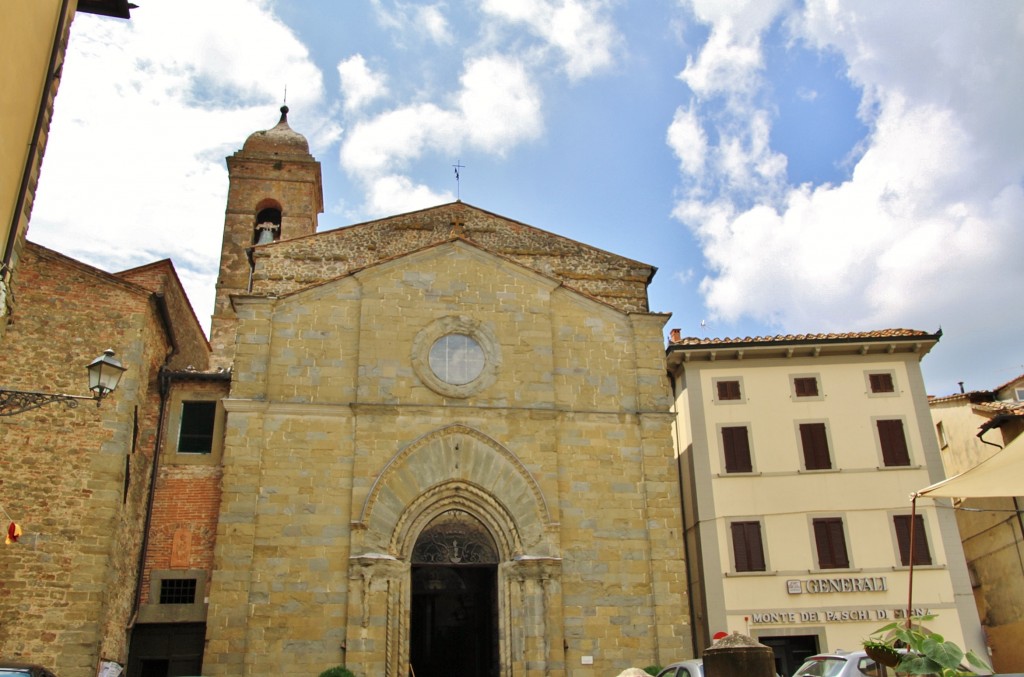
x=1002, y=474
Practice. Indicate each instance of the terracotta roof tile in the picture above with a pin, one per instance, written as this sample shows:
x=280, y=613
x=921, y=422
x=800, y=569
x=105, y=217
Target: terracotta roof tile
x=1012, y=408
x=1008, y=383
x=676, y=339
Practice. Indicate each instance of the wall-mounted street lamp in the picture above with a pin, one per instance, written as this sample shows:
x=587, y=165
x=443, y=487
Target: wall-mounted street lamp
x=104, y=375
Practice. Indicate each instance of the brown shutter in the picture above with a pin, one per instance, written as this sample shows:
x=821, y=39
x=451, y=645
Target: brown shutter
x=881, y=383
x=747, y=546
x=831, y=543
x=736, y=444
x=893, y=442
x=806, y=386
x=815, y=446
x=729, y=390
x=922, y=555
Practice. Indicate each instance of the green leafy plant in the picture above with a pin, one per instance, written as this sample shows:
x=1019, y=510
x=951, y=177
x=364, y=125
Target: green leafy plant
x=337, y=671
x=652, y=669
x=920, y=651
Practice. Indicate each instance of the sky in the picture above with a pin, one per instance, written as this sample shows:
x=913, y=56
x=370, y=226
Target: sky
x=789, y=167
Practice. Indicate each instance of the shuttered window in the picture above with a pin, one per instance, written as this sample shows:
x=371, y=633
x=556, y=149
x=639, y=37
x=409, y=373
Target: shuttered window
x=805, y=386
x=814, y=442
x=893, y=442
x=881, y=382
x=736, y=445
x=830, y=540
x=747, y=546
x=922, y=555
x=728, y=390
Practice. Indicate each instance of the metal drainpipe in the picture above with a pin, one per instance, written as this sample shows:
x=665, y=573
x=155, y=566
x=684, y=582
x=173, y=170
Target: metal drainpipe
x=164, y=388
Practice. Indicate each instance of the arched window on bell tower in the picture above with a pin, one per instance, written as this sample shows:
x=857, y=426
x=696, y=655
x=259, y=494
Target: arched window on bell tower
x=268, y=223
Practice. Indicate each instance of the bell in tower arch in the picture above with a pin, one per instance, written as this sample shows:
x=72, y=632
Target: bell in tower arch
x=268, y=226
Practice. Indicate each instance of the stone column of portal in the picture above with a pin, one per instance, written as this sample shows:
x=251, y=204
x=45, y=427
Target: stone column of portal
x=531, y=635
x=377, y=632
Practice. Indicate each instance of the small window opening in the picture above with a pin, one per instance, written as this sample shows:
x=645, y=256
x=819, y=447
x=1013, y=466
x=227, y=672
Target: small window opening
x=268, y=226
x=729, y=390
x=806, y=386
x=196, y=433
x=178, y=591
x=881, y=383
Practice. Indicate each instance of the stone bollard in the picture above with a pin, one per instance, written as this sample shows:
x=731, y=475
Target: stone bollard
x=737, y=655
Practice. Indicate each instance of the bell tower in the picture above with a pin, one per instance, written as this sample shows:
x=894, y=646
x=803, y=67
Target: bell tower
x=275, y=193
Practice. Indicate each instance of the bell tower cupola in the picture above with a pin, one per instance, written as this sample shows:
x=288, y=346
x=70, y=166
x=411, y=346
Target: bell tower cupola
x=275, y=193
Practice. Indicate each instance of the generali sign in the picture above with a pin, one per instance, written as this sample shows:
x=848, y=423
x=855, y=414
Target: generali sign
x=830, y=585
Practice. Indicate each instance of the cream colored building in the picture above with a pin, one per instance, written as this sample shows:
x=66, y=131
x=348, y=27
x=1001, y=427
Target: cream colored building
x=446, y=447
x=33, y=39
x=970, y=428
x=798, y=456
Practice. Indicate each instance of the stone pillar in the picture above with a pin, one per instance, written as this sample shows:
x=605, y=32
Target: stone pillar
x=739, y=656
x=531, y=617
x=377, y=636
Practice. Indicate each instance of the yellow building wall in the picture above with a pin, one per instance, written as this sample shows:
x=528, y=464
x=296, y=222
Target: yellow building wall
x=26, y=39
x=990, y=528
x=786, y=498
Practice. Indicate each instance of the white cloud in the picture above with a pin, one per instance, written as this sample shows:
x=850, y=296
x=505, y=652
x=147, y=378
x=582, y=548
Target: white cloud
x=360, y=85
x=931, y=211
x=688, y=141
x=725, y=65
x=578, y=29
x=392, y=138
x=415, y=20
x=147, y=110
x=499, y=105
x=396, y=194
x=434, y=22
x=496, y=108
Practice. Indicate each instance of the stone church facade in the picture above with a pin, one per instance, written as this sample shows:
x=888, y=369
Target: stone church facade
x=438, y=443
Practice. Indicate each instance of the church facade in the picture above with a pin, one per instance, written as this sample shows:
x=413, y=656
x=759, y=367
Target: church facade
x=436, y=443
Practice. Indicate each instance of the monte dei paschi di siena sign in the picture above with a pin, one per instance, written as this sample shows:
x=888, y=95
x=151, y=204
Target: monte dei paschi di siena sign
x=834, y=585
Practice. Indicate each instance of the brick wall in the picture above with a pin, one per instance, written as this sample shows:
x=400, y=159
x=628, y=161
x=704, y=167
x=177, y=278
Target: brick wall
x=68, y=586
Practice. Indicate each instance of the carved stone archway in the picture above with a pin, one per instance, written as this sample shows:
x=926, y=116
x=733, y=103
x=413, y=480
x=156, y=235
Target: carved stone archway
x=455, y=469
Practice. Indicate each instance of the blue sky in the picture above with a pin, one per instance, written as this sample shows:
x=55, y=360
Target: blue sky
x=789, y=167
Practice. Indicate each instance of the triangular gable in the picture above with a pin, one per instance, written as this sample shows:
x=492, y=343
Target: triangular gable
x=284, y=266
x=184, y=328
x=470, y=247
x=155, y=279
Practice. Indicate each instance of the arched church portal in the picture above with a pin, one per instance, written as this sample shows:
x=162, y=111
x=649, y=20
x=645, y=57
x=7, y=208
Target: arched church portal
x=453, y=624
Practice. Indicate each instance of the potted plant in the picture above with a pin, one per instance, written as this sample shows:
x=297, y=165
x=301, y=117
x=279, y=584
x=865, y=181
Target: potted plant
x=920, y=652
x=337, y=671
x=881, y=652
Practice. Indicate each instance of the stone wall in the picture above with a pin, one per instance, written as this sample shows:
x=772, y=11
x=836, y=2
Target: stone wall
x=293, y=264
x=76, y=480
x=338, y=451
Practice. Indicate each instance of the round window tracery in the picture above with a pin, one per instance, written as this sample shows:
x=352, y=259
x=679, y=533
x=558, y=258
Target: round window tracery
x=456, y=356
x=457, y=359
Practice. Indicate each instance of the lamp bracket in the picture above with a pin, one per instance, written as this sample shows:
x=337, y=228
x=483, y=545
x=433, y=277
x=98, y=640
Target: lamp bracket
x=16, y=401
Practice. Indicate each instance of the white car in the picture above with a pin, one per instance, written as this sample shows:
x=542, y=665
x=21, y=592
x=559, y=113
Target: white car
x=842, y=664
x=20, y=670
x=691, y=668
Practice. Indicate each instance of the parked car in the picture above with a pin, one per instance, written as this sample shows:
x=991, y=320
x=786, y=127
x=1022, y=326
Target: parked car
x=843, y=664
x=23, y=670
x=691, y=668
